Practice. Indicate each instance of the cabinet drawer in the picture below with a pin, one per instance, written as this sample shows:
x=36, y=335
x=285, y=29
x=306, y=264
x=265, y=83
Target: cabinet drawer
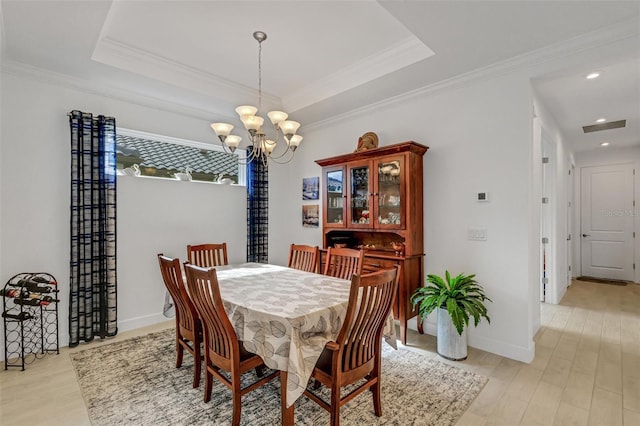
x=371, y=264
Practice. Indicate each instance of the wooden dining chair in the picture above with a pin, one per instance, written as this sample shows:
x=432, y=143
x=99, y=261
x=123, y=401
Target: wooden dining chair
x=188, y=326
x=222, y=350
x=207, y=255
x=356, y=353
x=343, y=262
x=304, y=258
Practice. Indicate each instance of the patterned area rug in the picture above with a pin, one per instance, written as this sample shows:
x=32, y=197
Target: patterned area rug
x=135, y=382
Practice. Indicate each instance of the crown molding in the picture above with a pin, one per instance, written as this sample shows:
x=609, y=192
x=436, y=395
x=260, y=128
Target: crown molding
x=139, y=61
x=170, y=139
x=20, y=69
x=602, y=37
x=560, y=50
x=393, y=58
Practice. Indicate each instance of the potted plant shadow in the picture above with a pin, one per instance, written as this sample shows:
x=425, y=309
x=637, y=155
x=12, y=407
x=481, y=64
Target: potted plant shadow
x=456, y=299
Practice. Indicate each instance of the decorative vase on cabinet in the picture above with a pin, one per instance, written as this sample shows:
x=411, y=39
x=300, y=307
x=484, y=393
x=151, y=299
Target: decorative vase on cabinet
x=373, y=199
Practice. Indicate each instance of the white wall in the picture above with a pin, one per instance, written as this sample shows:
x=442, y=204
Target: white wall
x=602, y=157
x=153, y=215
x=480, y=140
x=160, y=216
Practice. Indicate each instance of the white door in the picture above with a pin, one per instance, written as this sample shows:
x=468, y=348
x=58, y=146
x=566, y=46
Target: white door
x=606, y=218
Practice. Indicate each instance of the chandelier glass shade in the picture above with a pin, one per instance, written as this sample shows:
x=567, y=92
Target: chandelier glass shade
x=261, y=147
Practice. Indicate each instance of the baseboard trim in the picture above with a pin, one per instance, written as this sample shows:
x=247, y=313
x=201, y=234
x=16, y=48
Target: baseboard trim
x=518, y=353
x=139, y=322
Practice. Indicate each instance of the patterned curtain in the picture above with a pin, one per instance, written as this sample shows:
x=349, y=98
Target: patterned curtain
x=257, y=212
x=92, y=305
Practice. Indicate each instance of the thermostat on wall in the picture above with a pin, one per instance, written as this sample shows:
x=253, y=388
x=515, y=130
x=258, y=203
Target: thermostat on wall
x=483, y=196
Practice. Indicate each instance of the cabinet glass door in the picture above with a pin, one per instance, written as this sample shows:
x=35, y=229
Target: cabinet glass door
x=359, y=196
x=390, y=194
x=334, y=198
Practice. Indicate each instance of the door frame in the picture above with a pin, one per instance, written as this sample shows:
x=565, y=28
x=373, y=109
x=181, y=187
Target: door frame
x=547, y=143
x=548, y=225
x=570, y=219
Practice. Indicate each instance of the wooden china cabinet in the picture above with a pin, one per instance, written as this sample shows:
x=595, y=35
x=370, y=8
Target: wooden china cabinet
x=373, y=199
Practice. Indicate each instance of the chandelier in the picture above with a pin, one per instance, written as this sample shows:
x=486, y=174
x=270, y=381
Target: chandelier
x=261, y=146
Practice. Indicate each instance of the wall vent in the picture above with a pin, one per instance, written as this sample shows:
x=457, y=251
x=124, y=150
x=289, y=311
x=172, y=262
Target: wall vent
x=604, y=126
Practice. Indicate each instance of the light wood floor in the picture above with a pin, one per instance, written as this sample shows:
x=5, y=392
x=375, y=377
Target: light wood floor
x=586, y=370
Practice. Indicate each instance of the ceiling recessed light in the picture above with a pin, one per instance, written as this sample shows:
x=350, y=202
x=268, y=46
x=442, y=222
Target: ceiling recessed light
x=601, y=120
x=593, y=75
x=604, y=144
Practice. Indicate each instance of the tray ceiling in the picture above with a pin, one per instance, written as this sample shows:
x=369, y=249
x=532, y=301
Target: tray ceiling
x=321, y=58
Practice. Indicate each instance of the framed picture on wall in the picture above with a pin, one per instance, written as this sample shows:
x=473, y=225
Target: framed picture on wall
x=310, y=216
x=310, y=188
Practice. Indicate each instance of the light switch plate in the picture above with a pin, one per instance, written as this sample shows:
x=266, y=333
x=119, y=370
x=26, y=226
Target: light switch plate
x=477, y=234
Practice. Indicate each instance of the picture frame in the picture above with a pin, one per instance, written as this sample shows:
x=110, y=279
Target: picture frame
x=311, y=216
x=311, y=188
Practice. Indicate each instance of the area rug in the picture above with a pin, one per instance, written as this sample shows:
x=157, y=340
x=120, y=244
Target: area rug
x=603, y=281
x=135, y=382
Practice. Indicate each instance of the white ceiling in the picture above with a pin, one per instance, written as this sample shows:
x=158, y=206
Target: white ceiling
x=576, y=101
x=325, y=58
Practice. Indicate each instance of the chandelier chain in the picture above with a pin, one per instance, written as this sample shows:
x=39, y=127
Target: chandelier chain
x=260, y=147
x=259, y=75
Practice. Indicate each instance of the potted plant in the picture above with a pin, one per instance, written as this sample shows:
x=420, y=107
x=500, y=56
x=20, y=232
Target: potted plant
x=456, y=300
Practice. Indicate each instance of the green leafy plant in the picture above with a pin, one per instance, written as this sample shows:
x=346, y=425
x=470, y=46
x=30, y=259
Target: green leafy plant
x=461, y=296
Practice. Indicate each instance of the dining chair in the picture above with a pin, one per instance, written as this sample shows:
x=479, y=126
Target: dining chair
x=188, y=326
x=222, y=350
x=304, y=258
x=207, y=255
x=343, y=262
x=356, y=353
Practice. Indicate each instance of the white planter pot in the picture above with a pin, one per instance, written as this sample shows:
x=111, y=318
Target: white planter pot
x=451, y=345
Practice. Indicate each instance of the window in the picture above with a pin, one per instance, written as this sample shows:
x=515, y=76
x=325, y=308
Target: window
x=163, y=157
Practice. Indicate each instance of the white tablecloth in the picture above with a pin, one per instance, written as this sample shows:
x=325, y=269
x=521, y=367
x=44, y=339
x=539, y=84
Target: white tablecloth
x=284, y=315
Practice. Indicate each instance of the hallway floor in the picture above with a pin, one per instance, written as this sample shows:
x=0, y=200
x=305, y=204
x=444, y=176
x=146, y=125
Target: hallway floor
x=586, y=370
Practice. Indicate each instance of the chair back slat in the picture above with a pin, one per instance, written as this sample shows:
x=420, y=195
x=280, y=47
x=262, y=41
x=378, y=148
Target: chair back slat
x=219, y=335
x=370, y=302
x=303, y=257
x=173, y=281
x=343, y=262
x=207, y=255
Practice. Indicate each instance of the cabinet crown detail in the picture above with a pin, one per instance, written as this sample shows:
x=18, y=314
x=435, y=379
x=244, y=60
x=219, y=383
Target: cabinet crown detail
x=408, y=146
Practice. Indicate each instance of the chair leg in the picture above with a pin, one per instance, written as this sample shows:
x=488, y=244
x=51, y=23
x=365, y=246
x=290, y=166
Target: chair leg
x=197, y=364
x=377, y=405
x=237, y=400
x=335, y=404
x=375, y=375
x=180, y=353
x=208, y=383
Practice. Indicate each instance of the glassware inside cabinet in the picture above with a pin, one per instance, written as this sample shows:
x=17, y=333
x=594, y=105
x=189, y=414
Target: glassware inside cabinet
x=335, y=198
x=389, y=193
x=359, y=196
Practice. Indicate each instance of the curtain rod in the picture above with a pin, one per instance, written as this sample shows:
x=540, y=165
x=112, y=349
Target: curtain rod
x=105, y=116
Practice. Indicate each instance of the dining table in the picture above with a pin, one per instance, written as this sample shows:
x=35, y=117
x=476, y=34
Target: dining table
x=286, y=316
